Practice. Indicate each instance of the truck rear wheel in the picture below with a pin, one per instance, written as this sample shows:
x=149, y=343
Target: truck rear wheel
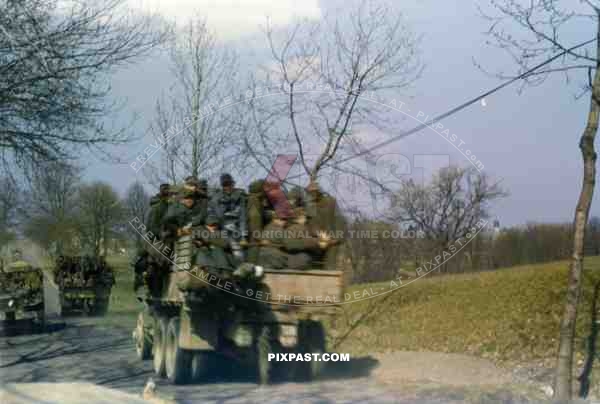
x=143, y=342
x=101, y=306
x=312, y=340
x=88, y=306
x=263, y=349
x=159, y=345
x=199, y=365
x=177, y=359
x=40, y=318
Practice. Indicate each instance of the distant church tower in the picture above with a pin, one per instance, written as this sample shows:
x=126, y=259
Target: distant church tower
x=496, y=228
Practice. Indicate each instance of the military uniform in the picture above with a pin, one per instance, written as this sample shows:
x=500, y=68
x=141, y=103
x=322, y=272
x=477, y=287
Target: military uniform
x=323, y=216
x=213, y=250
x=230, y=210
x=272, y=254
x=301, y=243
x=259, y=214
x=179, y=215
x=159, y=205
x=158, y=208
x=296, y=197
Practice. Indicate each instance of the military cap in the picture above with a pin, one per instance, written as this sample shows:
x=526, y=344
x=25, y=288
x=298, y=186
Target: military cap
x=296, y=196
x=189, y=192
x=227, y=179
x=256, y=187
x=211, y=219
x=154, y=200
x=299, y=211
x=190, y=186
x=313, y=187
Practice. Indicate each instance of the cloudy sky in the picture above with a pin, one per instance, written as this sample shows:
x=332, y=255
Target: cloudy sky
x=529, y=141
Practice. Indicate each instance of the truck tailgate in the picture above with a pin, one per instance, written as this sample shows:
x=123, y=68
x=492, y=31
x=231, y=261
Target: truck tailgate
x=304, y=287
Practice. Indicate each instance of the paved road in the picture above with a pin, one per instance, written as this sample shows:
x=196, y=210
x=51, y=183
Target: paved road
x=83, y=351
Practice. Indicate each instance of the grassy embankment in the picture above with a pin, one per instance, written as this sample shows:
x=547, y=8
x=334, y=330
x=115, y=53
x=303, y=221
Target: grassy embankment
x=504, y=315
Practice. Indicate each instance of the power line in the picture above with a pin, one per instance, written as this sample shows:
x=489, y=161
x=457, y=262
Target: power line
x=463, y=105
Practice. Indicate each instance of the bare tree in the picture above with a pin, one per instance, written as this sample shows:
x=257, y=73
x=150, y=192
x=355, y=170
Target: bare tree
x=51, y=204
x=536, y=31
x=8, y=208
x=449, y=207
x=374, y=259
x=317, y=93
x=54, y=58
x=188, y=121
x=136, y=204
x=100, y=213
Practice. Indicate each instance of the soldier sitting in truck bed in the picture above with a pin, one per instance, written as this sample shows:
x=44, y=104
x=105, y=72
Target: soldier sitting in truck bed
x=294, y=245
x=323, y=217
x=305, y=246
x=159, y=204
x=260, y=213
x=228, y=206
x=166, y=223
x=272, y=254
x=214, y=250
x=192, y=202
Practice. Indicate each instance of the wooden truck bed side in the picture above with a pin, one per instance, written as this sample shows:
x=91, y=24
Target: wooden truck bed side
x=314, y=288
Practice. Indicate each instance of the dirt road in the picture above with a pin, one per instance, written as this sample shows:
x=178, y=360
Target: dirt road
x=86, y=352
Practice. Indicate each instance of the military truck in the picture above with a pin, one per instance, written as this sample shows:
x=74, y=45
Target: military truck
x=21, y=292
x=202, y=311
x=84, y=284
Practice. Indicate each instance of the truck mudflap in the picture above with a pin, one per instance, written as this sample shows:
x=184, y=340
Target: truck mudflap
x=197, y=332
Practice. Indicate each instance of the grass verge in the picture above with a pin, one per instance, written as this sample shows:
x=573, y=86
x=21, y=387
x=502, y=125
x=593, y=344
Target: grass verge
x=507, y=314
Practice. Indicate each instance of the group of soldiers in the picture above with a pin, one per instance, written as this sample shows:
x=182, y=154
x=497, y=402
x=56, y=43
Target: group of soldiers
x=262, y=227
x=82, y=271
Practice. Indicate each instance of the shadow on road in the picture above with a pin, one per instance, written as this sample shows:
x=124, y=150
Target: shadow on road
x=27, y=327
x=224, y=370
x=83, y=351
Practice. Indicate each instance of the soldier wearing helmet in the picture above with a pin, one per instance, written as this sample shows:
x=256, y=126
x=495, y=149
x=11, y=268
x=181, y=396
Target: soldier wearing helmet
x=191, y=206
x=229, y=207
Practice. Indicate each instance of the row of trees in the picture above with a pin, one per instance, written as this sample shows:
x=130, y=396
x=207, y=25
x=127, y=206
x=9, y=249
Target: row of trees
x=494, y=248
x=63, y=214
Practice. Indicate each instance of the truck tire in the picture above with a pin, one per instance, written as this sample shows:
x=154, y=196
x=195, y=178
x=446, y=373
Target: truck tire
x=159, y=345
x=143, y=341
x=101, y=306
x=88, y=306
x=263, y=349
x=199, y=365
x=312, y=340
x=177, y=359
x=40, y=319
x=10, y=316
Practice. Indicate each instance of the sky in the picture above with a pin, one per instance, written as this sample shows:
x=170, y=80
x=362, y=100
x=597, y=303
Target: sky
x=528, y=141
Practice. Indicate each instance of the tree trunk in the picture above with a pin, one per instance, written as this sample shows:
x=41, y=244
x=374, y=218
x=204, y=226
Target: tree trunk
x=564, y=364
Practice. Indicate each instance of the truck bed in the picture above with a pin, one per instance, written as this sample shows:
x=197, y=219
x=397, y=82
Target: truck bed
x=315, y=288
